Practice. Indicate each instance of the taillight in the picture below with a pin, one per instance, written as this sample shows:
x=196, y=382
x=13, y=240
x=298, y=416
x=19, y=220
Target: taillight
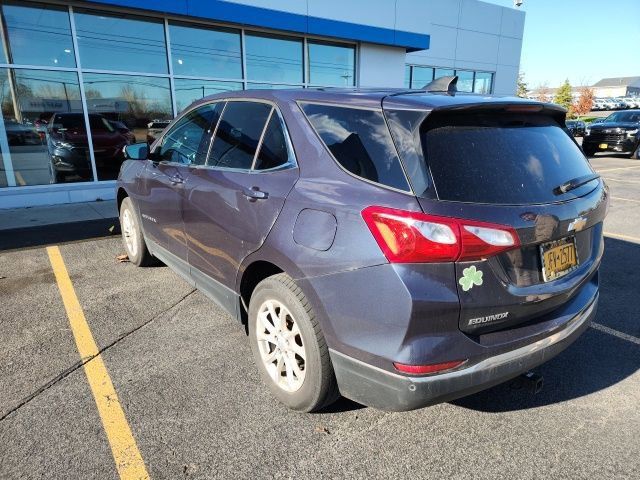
x=411, y=237
x=424, y=369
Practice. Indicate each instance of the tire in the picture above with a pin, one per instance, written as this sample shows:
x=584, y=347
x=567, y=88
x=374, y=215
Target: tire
x=636, y=155
x=132, y=236
x=310, y=386
x=589, y=152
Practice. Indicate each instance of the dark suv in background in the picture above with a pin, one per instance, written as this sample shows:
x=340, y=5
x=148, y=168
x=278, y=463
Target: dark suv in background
x=618, y=133
x=401, y=248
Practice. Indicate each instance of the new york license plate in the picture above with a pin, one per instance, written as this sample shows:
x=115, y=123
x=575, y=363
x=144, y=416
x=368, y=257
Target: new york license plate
x=558, y=258
x=602, y=146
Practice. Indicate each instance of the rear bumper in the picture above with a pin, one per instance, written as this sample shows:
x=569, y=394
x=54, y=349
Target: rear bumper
x=385, y=390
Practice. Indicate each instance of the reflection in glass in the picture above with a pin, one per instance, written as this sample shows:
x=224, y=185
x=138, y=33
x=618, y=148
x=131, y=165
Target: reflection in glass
x=38, y=35
x=331, y=65
x=274, y=59
x=443, y=72
x=128, y=109
x=421, y=76
x=188, y=91
x=465, y=81
x=483, y=82
x=270, y=86
x=42, y=151
x=203, y=52
x=407, y=76
x=123, y=42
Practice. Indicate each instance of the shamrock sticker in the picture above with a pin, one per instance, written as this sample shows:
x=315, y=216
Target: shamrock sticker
x=470, y=277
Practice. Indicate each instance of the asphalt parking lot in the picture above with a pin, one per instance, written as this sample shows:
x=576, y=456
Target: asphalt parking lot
x=193, y=405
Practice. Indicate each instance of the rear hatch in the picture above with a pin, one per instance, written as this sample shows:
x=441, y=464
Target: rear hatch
x=510, y=165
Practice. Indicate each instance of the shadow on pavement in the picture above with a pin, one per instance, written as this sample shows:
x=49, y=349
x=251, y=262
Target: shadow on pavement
x=58, y=233
x=595, y=361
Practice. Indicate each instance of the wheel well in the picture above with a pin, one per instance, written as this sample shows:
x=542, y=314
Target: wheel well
x=122, y=194
x=252, y=276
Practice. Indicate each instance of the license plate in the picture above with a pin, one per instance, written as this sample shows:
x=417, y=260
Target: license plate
x=558, y=258
x=603, y=145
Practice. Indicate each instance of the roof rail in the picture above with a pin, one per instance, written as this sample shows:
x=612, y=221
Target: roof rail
x=443, y=84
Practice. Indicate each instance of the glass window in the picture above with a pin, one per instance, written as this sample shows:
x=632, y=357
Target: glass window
x=187, y=141
x=188, y=91
x=273, y=151
x=238, y=134
x=270, y=86
x=443, y=72
x=121, y=42
x=42, y=150
x=205, y=52
x=331, y=65
x=407, y=76
x=531, y=155
x=421, y=76
x=38, y=35
x=274, y=59
x=483, y=82
x=139, y=106
x=360, y=141
x=465, y=81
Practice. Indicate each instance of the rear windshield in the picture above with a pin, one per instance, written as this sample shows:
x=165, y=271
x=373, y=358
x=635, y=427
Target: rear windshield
x=504, y=158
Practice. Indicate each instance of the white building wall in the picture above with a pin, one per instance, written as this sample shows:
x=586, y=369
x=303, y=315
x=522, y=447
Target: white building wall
x=467, y=34
x=381, y=66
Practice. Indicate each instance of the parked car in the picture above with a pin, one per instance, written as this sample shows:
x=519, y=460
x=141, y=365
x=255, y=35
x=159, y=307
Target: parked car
x=21, y=133
x=399, y=248
x=68, y=146
x=576, y=127
x=618, y=133
x=155, y=128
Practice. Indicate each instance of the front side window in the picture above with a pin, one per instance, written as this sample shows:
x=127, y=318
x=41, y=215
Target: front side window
x=187, y=141
x=238, y=135
x=360, y=141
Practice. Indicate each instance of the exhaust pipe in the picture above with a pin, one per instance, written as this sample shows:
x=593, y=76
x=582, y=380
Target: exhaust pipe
x=530, y=381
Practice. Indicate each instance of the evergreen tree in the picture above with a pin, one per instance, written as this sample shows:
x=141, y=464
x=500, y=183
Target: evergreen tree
x=563, y=96
x=522, y=88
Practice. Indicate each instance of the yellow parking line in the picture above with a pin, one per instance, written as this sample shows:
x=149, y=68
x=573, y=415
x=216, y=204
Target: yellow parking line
x=625, y=199
x=123, y=446
x=621, y=236
x=617, y=168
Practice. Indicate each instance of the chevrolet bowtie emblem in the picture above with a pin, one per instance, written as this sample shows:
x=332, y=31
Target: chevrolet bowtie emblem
x=577, y=225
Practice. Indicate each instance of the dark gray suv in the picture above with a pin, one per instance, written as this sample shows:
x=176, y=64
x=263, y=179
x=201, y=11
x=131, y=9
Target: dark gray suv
x=401, y=248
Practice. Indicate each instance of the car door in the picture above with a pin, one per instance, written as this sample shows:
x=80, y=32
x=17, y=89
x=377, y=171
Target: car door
x=186, y=142
x=233, y=200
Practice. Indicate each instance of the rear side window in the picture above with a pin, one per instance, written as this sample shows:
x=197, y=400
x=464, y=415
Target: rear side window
x=187, y=140
x=360, y=142
x=500, y=158
x=273, y=151
x=238, y=134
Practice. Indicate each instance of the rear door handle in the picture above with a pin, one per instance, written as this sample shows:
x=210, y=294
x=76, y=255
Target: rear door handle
x=254, y=193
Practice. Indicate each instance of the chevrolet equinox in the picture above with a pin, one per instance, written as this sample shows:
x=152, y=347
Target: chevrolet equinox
x=399, y=248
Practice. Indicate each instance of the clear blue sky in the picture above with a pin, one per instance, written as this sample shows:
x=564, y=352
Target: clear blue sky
x=582, y=40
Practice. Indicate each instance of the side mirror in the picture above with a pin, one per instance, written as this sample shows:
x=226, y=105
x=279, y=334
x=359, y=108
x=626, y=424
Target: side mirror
x=136, y=151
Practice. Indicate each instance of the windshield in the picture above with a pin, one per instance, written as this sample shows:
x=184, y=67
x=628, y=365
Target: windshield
x=631, y=117
x=495, y=158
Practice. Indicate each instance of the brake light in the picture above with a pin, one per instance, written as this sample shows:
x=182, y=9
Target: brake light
x=412, y=237
x=424, y=369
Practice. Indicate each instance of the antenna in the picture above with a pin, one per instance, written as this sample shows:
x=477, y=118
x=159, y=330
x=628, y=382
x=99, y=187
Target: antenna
x=443, y=85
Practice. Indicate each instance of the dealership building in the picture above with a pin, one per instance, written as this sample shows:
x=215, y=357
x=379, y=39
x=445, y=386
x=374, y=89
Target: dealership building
x=81, y=79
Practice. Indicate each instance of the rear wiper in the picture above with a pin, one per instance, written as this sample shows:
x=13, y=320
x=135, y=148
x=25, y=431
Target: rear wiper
x=575, y=183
